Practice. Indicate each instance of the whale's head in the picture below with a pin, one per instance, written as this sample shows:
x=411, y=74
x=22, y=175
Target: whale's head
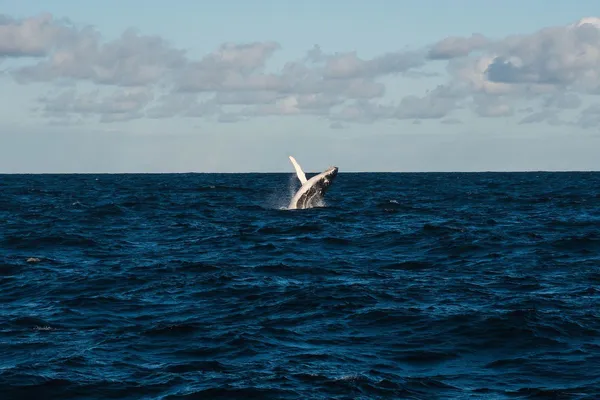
x=328, y=177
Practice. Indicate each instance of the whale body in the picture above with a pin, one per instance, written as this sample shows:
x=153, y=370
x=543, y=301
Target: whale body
x=313, y=190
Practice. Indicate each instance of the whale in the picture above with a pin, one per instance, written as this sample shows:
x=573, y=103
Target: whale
x=313, y=190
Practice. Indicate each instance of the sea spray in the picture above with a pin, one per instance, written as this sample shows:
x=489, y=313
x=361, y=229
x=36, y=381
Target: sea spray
x=281, y=195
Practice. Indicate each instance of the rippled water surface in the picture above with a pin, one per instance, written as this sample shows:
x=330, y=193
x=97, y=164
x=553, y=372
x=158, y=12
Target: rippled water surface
x=420, y=286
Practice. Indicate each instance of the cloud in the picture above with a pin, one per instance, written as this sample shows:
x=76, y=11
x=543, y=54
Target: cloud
x=560, y=56
x=234, y=74
x=435, y=105
x=548, y=116
x=454, y=47
x=130, y=60
x=183, y=105
x=589, y=117
x=316, y=104
x=336, y=125
x=121, y=105
x=363, y=111
x=31, y=37
x=493, y=107
x=229, y=118
x=550, y=71
x=230, y=68
x=451, y=121
x=565, y=101
x=349, y=65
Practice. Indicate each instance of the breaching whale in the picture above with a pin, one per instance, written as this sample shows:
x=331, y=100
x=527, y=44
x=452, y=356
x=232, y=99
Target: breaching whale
x=312, y=190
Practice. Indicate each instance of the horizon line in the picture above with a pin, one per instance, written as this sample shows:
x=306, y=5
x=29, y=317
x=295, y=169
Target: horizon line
x=292, y=172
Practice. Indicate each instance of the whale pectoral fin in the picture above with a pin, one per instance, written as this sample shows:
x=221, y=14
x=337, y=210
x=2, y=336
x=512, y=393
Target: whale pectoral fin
x=298, y=169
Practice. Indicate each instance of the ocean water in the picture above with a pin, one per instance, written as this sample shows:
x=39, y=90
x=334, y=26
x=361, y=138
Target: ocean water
x=200, y=286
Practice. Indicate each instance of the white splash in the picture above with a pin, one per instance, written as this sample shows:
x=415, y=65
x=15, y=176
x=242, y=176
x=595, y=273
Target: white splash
x=280, y=198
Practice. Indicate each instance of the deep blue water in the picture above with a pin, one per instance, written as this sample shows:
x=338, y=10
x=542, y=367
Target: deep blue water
x=420, y=286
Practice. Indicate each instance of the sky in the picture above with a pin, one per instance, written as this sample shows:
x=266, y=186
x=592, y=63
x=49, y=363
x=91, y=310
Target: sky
x=237, y=86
